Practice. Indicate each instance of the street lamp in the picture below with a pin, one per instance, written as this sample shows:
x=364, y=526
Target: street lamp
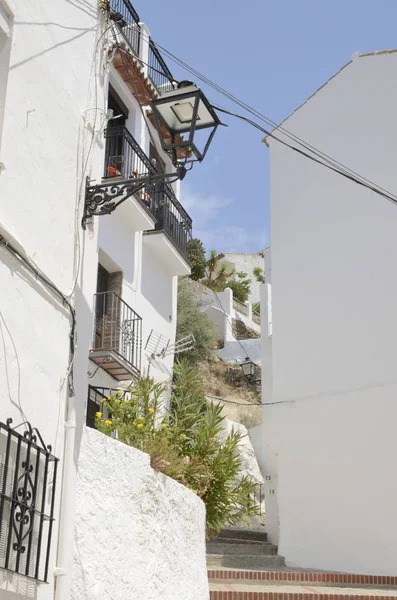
x=181, y=111
x=184, y=111
x=248, y=368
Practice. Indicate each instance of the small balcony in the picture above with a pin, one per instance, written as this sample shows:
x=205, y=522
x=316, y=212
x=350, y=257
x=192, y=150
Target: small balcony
x=148, y=78
x=125, y=158
x=117, y=339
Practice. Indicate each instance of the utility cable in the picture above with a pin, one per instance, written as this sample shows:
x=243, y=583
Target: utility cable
x=342, y=168
x=329, y=162
x=338, y=167
x=249, y=403
x=386, y=195
x=39, y=275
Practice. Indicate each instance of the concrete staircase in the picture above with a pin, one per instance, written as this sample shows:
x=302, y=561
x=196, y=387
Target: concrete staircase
x=242, y=548
x=242, y=565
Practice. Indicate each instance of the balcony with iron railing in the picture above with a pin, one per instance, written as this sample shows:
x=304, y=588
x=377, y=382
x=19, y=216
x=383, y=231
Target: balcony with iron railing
x=125, y=158
x=144, y=48
x=117, y=338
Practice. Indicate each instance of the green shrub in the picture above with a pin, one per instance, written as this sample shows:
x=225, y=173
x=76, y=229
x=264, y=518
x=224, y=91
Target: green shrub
x=197, y=260
x=186, y=444
x=191, y=320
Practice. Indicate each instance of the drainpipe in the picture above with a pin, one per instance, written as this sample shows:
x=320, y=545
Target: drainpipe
x=62, y=572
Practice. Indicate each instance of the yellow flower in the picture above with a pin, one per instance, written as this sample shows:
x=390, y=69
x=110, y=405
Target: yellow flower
x=150, y=410
x=140, y=425
x=98, y=414
x=108, y=422
x=163, y=425
x=140, y=418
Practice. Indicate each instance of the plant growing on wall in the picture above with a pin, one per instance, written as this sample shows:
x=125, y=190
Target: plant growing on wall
x=186, y=443
x=259, y=274
x=256, y=307
x=240, y=286
x=197, y=260
x=191, y=320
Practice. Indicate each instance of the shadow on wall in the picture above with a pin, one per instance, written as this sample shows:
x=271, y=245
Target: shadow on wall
x=16, y=587
x=157, y=284
x=84, y=315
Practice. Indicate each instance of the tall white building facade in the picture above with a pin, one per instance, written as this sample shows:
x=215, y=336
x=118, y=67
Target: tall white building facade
x=328, y=445
x=81, y=308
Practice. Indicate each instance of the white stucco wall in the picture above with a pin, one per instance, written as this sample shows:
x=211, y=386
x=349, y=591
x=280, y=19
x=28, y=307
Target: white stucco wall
x=246, y=262
x=44, y=142
x=238, y=350
x=141, y=534
x=334, y=352
x=149, y=278
x=249, y=462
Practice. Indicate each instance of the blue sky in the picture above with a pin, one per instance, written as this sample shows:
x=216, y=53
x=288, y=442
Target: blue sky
x=272, y=54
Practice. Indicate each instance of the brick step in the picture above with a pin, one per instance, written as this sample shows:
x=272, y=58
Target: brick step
x=246, y=591
x=254, y=561
x=290, y=577
x=242, y=533
x=216, y=547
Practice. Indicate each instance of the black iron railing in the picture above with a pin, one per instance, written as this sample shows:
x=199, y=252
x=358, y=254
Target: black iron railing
x=28, y=476
x=132, y=32
x=118, y=328
x=123, y=155
x=172, y=217
x=125, y=158
x=158, y=71
x=96, y=395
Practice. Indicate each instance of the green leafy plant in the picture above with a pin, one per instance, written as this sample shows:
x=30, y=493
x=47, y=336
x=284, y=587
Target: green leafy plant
x=256, y=307
x=187, y=445
x=197, y=260
x=191, y=319
x=259, y=275
x=240, y=286
x=217, y=274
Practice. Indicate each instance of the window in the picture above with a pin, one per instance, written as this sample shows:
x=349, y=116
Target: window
x=114, y=153
x=28, y=475
x=94, y=404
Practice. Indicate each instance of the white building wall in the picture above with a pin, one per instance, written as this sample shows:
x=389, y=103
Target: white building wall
x=334, y=353
x=44, y=141
x=247, y=262
x=141, y=535
x=149, y=278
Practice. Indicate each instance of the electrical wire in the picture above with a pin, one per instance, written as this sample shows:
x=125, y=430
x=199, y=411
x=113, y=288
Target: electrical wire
x=233, y=401
x=230, y=325
x=84, y=164
x=249, y=403
x=39, y=275
x=337, y=166
x=387, y=195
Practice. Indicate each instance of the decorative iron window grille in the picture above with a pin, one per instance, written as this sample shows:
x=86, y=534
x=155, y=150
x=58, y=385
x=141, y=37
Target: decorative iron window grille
x=28, y=474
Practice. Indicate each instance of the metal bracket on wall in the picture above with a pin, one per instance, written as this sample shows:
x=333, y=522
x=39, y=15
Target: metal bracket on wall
x=104, y=198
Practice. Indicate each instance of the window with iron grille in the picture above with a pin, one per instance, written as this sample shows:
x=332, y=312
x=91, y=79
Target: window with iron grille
x=28, y=474
x=96, y=396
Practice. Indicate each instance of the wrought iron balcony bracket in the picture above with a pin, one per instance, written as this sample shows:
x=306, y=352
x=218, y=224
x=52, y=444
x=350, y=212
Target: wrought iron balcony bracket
x=104, y=198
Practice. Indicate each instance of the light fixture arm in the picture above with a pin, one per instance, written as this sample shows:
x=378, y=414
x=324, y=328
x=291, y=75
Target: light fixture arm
x=104, y=198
